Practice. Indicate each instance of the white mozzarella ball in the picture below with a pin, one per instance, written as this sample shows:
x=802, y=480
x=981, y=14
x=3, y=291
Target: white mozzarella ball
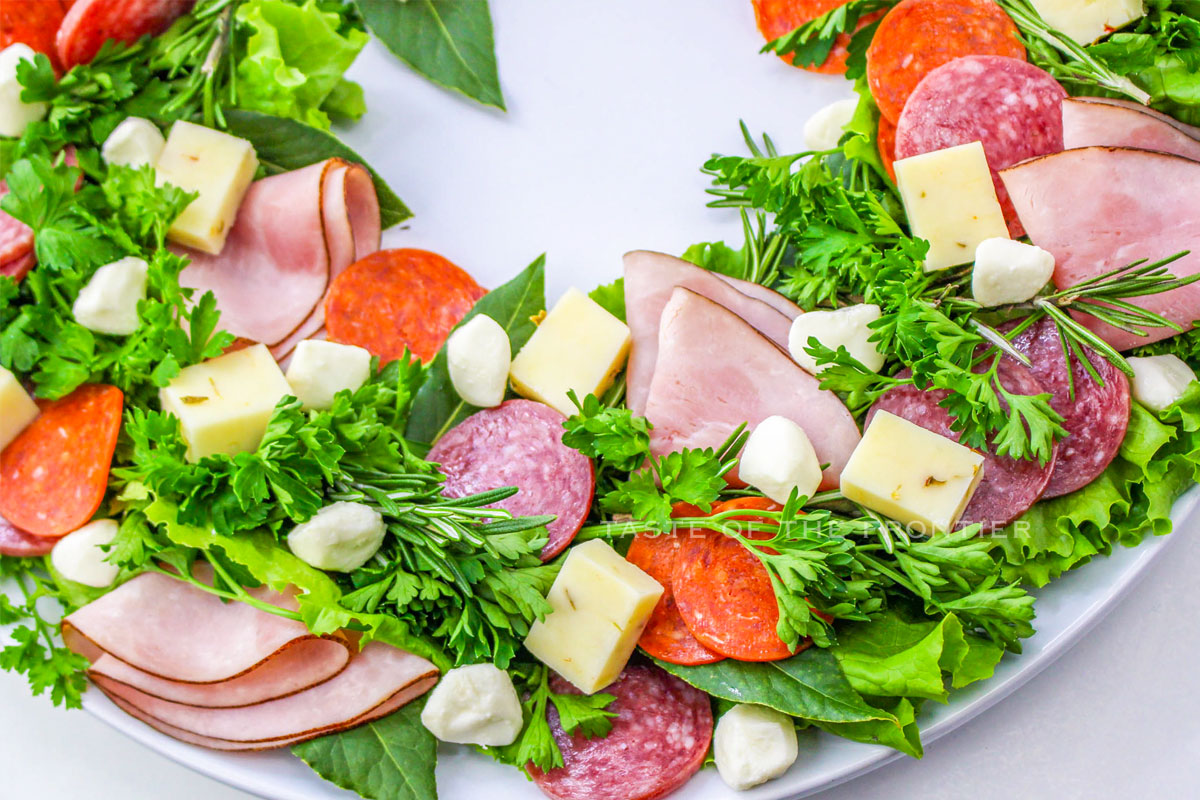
x=843, y=327
x=1007, y=271
x=15, y=113
x=78, y=557
x=478, y=355
x=108, y=304
x=474, y=705
x=136, y=142
x=320, y=369
x=753, y=744
x=1160, y=381
x=824, y=128
x=779, y=458
x=340, y=538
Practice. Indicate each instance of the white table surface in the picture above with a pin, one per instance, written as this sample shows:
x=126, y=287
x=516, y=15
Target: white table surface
x=666, y=81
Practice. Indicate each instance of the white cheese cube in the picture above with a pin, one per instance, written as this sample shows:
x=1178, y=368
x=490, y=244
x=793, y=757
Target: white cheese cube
x=600, y=605
x=474, y=705
x=1009, y=272
x=753, y=744
x=778, y=458
x=17, y=408
x=78, y=557
x=218, y=166
x=224, y=404
x=577, y=346
x=912, y=475
x=1160, y=381
x=136, y=142
x=340, y=538
x=15, y=113
x=320, y=369
x=1085, y=21
x=478, y=355
x=951, y=202
x=842, y=327
x=109, y=301
x=824, y=129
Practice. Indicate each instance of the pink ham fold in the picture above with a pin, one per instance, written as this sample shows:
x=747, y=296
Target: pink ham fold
x=769, y=296
x=1094, y=121
x=715, y=372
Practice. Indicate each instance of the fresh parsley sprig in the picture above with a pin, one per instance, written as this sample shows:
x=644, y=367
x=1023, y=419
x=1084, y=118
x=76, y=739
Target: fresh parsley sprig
x=811, y=43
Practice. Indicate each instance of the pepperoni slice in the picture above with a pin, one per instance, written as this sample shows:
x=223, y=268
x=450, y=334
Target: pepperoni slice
x=90, y=23
x=658, y=741
x=918, y=36
x=887, y=145
x=54, y=474
x=32, y=22
x=395, y=299
x=20, y=544
x=777, y=18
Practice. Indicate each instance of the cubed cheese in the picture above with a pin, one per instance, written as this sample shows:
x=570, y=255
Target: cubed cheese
x=78, y=555
x=320, y=369
x=476, y=704
x=218, y=166
x=15, y=113
x=824, y=129
x=109, y=301
x=224, y=404
x=1009, y=272
x=842, y=327
x=1160, y=381
x=600, y=604
x=17, y=408
x=779, y=458
x=577, y=346
x=136, y=142
x=912, y=475
x=340, y=538
x=753, y=744
x=1085, y=21
x=478, y=356
x=951, y=202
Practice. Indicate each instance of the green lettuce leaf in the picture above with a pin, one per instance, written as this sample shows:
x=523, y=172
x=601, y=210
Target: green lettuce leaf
x=906, y=737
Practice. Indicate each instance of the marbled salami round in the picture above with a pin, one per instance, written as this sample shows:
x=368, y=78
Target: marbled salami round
x=1095, y=418
x=1011, y=106
x=519, y=443
x=20, y=544
x=90, y=23
x=1009, y=486
x=658, y=741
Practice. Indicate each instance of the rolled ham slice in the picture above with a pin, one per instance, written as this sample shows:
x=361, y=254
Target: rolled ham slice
x=715, y=371
x=769, y=296
x=1094, y=121
x=294, y=233
x=649, y=281
x=1099, y=208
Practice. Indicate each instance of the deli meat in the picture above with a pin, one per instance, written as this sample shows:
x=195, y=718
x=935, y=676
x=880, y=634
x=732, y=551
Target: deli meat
x=1097, y=121
x=715, y=372
x=22, y=544
x=1100, y=208
x=769, y=296
x=90, y=23
x=649, y=280
x=16, y=244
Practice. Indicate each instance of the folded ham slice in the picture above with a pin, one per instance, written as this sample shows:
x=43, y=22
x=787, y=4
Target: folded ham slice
x=769, y=296
x=294, y=233
x=649, y=280
x=1095, y=121
x=1099, y=208
x=715, y=372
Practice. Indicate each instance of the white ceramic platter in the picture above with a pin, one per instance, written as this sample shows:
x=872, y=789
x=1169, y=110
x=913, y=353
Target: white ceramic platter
x=613, y=107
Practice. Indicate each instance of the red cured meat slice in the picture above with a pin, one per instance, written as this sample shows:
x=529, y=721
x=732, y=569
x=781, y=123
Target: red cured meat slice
x=1009, y=486
x=1012, y=107
x=1095, y=419
x=777, y=18
x=519, y=443
x=90, y=23
x=32, y=22
x=20, y=544
x=16, y=243
x=658, y=741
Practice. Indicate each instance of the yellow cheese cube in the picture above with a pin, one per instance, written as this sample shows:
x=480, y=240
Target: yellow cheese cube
x=600, y=604
x=1085, y=21
x=218, y=166
x=17, y=408
x=912, y=475
x=578, y=346
x=951, y=202
x=223, y=405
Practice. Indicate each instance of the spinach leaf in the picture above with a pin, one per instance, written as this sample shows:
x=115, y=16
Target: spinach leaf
x=906, y=737
x=437, y=407
x=448, y=41
x=285, y=144
x=390, y=759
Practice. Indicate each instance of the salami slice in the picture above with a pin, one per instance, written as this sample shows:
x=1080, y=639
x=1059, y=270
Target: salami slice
x=90, y=23
x=1012, y=107
x=1009, y=486
x=16, y=243
x=16, y=542
x=519, y=443
x=777, y=18
x=658, y=741
x=886, y=140
x=32, y=22
x=918, y=36
x=1095, y=418
x=54, y=474
x=397, y=299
